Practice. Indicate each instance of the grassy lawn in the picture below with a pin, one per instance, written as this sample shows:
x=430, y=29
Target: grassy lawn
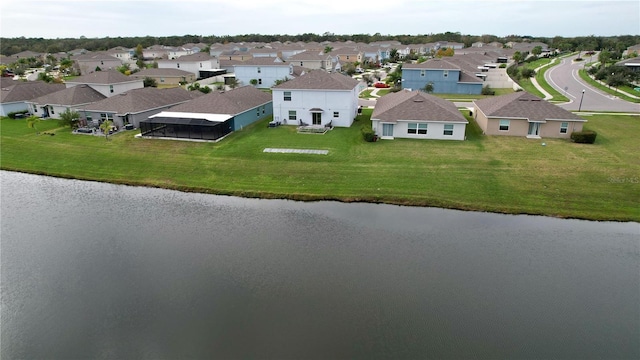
x=583, y=74
x=498, y=174
x=556, y=95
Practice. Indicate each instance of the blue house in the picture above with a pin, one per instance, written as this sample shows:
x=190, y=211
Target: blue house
x=446, y=77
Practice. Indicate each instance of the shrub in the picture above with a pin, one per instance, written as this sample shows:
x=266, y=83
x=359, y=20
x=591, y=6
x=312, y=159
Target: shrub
x=367, y=134
x=487, y=90
x=527, y=73
x=12, y=115
x=502, y=66
x=584, y=137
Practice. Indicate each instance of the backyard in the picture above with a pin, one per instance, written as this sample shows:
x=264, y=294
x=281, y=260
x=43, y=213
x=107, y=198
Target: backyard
x=486, y=173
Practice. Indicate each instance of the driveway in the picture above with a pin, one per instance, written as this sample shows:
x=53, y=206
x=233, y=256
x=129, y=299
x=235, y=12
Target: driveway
x=564, y=77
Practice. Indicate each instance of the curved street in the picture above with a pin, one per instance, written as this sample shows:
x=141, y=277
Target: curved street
x=564, y=77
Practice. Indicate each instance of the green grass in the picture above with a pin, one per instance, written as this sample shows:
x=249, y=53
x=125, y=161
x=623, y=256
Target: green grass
x=498, y=174
x=583, y=74
x=555, y=94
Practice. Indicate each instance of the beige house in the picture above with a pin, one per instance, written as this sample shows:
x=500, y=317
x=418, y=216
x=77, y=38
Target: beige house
x=523, y=114
x=95, y=61
x=166, y=78
x=312, y=60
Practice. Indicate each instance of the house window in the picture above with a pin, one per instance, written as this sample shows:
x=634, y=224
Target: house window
x=301, y=63
x=445, y=73
x=263, y=111
x=259, y=81
x=111, y=88
x=417, y=128
x=448, y=129
x=422, y=73
x=504, y=125
x=200, y=64
x=287, y=96
x=101, y=62
x=336, y=114
x=161, y=79
x=105, y=116
x=564, y=127
x=258, y=111
x=292, y=115
x=259, y=71
x=178, y=65
x=53, y=112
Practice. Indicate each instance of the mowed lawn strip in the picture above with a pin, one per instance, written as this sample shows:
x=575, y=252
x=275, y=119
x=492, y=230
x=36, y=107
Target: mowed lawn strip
x=484, y=173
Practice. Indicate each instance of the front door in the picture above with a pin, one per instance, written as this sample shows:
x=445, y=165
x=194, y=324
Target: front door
x=317, y=118
x=387, y=130
x=534, y=129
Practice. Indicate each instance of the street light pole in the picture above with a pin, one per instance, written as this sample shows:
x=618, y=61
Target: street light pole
x=581, y=97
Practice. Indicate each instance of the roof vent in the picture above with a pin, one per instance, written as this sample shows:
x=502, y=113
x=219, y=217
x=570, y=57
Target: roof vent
x=418, y=100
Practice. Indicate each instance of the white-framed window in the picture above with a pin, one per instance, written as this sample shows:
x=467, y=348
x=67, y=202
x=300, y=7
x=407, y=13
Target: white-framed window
x=301, y=63
x=106, y=116
x=564, y=127
x=161, y=79
x=292, y=115
x=258, y=111
x=200, y=64
x=423, y=72
x=417, y=128
x=178, y=65
x=52, y=111
x=448, y=129
x=259, y=70
x=287, y=96
x=504, y=125
x=263, y=111
x=111, y=88
x=445, y=73
x=336, y=114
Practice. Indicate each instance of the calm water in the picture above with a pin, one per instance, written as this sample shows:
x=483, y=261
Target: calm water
x=99, y=271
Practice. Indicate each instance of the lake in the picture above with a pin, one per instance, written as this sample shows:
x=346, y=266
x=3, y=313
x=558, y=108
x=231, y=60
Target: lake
x=103, y=271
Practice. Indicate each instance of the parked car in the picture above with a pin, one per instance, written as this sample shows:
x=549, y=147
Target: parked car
x=359, y=70
x=380, y=85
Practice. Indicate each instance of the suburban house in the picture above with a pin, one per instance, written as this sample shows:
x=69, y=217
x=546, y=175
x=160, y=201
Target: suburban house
x=95, y=61
x=108, y=83
x=347, y=55
x=632, y=64
x=135, y=105
x=165, y=77
x=312, y=60
x=211, y=116
x=53, y=104
x=123, y=54
x=523, y=114
x=317, y=98
x=202, y=65
x=264, y=71
x=15, y=95
x=417, y=115
x=445, y=76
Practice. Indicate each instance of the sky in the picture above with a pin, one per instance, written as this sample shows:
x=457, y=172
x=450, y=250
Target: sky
x=98, y=19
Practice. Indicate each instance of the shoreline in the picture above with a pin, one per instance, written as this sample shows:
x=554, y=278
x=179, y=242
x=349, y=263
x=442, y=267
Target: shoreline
x=317, y=198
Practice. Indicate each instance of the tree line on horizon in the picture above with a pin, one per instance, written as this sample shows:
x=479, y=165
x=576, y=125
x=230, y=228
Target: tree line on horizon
x=10, y=46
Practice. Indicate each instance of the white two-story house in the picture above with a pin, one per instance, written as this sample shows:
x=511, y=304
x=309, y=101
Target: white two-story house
x=317, y=98
x=262, y=72
x=198, y=64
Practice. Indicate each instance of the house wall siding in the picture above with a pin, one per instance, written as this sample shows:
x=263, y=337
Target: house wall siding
x=302, y=101
x=413, y=79
x=251, y=116
x=268, y=74
x=435, y=130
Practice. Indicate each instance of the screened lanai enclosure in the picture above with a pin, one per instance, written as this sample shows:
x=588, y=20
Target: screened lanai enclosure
x=186, y=127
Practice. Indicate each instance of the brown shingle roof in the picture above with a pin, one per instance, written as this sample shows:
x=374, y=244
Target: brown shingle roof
x=76, y=95
x=231, y=102
x=17, y=91
x=523, y=105
x=320, y=80
x=144, y=99
x=415, y=105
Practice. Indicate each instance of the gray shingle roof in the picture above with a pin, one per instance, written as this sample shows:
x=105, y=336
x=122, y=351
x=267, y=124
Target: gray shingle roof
x=144, y=99
x=262, y=61
x=231, y=102
x=102, y=77
x=433, y=64
x=76, y=95
x=415, y=105
x=523, y=105
x=17, y=91
x=319, y=80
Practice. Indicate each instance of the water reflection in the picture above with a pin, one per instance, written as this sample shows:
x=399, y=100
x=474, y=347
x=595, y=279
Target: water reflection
x=93, y=270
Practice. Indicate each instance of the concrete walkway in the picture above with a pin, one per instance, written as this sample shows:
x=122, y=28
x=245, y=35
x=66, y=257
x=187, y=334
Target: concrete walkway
x=296, y=151
x=535, y=83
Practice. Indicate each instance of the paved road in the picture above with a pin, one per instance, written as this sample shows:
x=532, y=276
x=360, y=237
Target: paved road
x=565, y=76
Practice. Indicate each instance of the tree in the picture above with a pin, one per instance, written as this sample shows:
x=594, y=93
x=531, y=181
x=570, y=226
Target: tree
x=205, y=89
x=537, y=50
x=124, y=69
x=139, y=52
x=445, y=52
x=281, y=81
x=393, y=54
x=517, y=57
x=233, y=83
x=194, y=86
x=428, y=88
x=69, y=118
x=32, y=122
x=328, y=49
x=254, y=82
x=43, y=76
x=149, y=82
x=604, y=57
x=106, y=127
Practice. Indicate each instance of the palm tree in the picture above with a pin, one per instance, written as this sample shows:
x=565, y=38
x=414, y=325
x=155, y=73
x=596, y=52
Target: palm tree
x=428, y=88
x=32, y=121
x=106, y=127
